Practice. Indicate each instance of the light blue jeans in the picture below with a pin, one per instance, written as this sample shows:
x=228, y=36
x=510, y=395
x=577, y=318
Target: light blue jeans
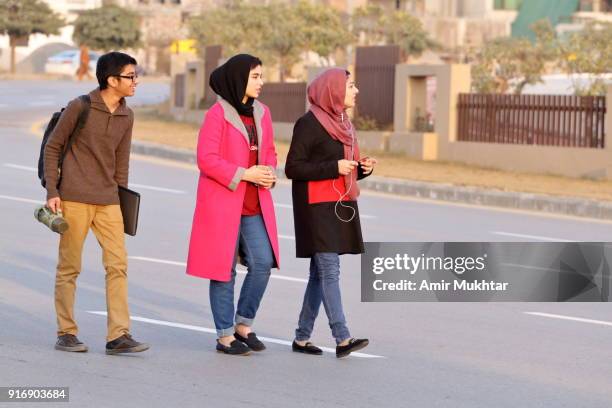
x=255, y=246
x=323, y=287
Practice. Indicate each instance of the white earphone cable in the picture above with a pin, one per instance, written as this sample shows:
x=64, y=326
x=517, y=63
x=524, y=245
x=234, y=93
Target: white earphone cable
x=342, y=196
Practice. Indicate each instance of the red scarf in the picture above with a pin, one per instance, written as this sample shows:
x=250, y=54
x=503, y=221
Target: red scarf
x=326, y=95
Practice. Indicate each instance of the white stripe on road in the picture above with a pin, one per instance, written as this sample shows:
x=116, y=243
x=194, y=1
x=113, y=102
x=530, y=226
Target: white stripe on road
x=575, y=319
x=289, y=206
x=239, y=270
x=142, y=186
x=538, y=268
x=213, y=331
x=289, y=237
x=538, y=237
x=20, y=167
x=161, y=261
x=162, y=189
x=23, y=200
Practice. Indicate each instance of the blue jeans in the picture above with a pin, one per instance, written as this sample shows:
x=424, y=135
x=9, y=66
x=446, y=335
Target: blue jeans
x=323, y=286
x=255, y=247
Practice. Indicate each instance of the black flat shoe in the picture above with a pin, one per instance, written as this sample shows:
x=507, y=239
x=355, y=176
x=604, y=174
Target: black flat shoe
x=251, y=341
x=307, y=348
x=236, y=348
x=353, y=345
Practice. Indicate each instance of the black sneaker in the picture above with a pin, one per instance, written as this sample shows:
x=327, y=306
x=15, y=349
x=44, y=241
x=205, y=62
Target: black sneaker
x=236, y=348
x=307, y=348
x=125, y=344
x=353, y=345
x=69, y=342
x=252, y=341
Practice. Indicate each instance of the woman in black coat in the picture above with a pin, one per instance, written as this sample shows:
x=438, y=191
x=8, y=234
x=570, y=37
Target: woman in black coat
x=324, y=166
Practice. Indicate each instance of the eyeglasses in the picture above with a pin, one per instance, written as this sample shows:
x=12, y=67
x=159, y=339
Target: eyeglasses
x=130, y=77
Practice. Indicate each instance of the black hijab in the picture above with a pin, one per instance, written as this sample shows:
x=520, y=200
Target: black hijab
x=229, y=81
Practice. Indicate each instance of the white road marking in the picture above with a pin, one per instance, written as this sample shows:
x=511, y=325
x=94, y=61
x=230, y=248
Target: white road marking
x=23, y=200
x=155, y=260
x=213, y=331
x=288, y=237
x=20, y=167
x=153, y=188
x=239, y=269
x=538, y=237
x=279, y=205
x=289, y=206
x=539, y=268
x=142, y=186
x=575, y=319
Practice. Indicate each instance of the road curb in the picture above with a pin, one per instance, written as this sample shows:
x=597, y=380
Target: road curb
x=163, y=152
x=472, y=195
x=436, y=191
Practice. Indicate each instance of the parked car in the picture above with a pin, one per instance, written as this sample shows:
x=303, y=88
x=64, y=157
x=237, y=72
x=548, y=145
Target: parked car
x=67, y=62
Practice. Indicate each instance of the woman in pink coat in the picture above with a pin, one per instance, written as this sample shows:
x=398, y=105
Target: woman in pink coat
x=234, y=214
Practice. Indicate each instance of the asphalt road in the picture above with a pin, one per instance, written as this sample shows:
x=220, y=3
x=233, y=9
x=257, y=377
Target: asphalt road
x=420, y=355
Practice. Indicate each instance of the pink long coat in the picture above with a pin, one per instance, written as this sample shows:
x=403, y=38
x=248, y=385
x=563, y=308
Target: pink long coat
x=223, y=155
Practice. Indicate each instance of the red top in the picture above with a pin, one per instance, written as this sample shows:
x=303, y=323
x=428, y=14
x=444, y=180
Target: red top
x=251, y=197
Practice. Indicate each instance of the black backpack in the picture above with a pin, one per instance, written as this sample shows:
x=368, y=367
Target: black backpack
x=52, y=123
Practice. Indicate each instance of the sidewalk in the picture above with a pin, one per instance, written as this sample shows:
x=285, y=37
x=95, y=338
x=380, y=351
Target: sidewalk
x=399, y=175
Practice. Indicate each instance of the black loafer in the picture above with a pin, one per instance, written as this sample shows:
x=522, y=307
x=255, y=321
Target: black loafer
x=236, y=348
x=251, y=341
x=353, y=345
x=307, y=348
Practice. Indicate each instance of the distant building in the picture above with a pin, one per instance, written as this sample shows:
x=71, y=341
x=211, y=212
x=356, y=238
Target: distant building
x=30, y=58
x=70, y=8
x=161, y=25
x=460, y=25
x=589, y=10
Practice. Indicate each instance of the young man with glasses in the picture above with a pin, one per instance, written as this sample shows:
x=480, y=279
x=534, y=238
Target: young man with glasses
x=95, y=164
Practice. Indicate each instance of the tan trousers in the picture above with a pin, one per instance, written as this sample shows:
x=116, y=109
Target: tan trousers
x=106, y=222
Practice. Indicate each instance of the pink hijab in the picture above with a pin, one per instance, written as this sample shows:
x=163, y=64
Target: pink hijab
x=326, y=95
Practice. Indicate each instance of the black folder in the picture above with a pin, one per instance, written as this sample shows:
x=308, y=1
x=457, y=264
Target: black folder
x=130, y=205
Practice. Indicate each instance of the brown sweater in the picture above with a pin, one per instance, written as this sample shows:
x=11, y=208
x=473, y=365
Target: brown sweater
x=98, y=160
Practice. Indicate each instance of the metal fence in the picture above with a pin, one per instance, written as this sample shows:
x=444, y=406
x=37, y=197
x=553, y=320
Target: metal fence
x=552, y=120
x=375, y=76
x=287, y=101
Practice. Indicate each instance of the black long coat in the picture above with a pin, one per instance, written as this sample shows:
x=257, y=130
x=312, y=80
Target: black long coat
x=312, y=165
